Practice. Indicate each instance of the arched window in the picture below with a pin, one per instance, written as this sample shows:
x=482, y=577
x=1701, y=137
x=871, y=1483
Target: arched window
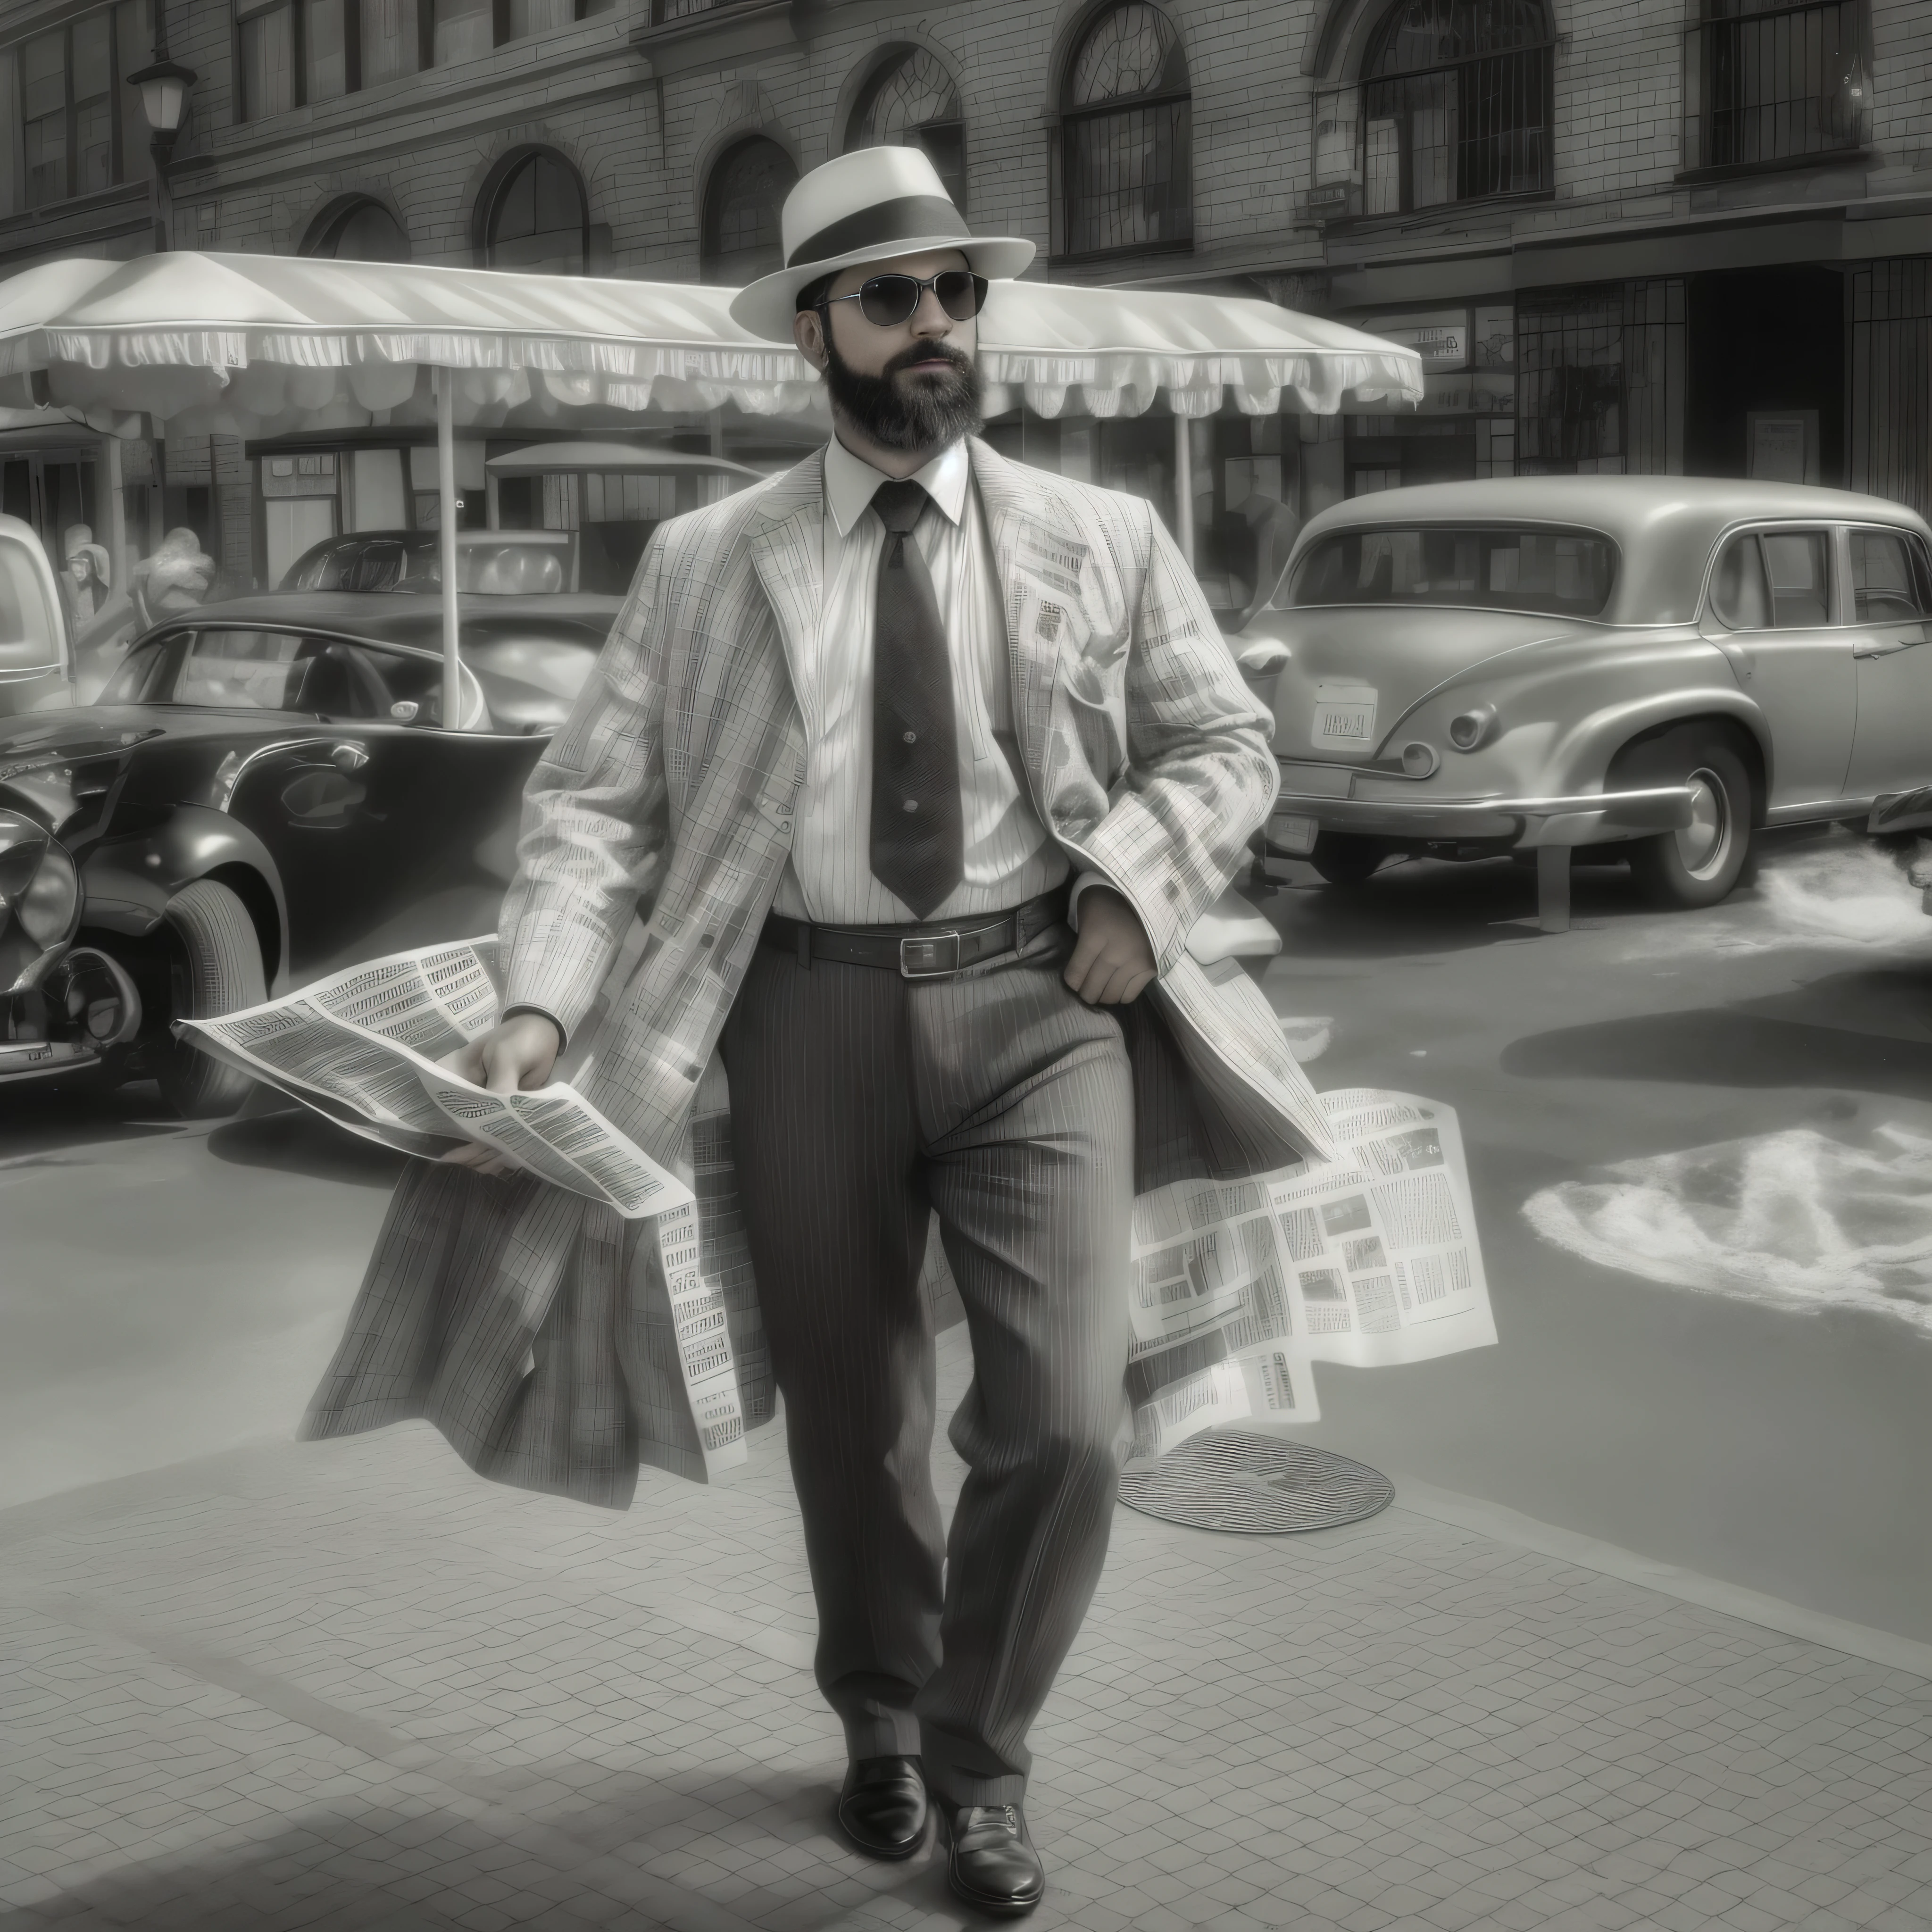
x=536, y=216
x=741, y=200
x=357, y=230
x=910, y=101
x=1455, y=104
x=1127, y=134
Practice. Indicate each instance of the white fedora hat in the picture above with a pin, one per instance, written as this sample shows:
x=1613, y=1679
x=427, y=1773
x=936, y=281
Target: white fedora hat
x=867, y=206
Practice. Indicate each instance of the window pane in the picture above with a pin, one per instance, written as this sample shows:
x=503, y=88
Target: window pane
x=238, y=670
x=133, y=48
x=1885, y=587
x=537, y=223
x=93, y=56
x=539, y=16
x=1128, y=178
x=389, y=43
x=1557, y=573
x=1738, y=593
x=367, y=233
x=1132, y=50
x=46, y=160
x=12, y=192
x=324, y=52
x=43, y=76
x=94, y=145
x=268, y=64
x=1795, y=560
x=463, y=30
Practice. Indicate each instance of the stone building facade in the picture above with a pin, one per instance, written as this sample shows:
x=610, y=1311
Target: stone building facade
x=1660, y=235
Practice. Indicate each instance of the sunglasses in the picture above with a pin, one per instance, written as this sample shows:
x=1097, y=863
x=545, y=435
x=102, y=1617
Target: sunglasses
x=886, y=300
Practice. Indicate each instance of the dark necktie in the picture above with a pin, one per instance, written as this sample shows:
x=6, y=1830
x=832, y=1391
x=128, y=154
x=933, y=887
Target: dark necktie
x=918, y=843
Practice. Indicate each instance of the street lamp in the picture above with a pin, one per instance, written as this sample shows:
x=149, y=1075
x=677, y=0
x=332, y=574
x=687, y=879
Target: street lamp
x=164, y=87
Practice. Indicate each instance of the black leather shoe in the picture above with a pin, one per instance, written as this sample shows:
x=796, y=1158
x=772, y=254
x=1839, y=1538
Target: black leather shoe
x=882, y=1807
x=993, y=1865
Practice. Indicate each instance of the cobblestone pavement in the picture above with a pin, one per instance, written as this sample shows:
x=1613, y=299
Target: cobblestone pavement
x=352, y=1686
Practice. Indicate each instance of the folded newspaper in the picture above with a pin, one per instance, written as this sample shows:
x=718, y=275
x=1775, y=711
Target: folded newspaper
x=1237, y=1288
x=363, y=1046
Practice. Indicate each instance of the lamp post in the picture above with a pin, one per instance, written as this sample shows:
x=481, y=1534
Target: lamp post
x=164, y=87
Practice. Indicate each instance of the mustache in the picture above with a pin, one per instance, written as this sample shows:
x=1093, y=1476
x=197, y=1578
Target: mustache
x=927, y=352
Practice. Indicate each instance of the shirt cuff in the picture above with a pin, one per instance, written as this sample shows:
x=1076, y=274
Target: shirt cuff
x=562, y=1038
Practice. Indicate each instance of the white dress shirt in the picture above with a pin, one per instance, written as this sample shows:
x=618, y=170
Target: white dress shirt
x=1009, y=857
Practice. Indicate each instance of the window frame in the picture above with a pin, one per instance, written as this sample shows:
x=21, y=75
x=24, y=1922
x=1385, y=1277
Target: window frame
x=1920, y=559
x=1407, y=208
x=497, y=184
x=1070, y=119
x=1697, y=74
x=1837, y=595
x=70, y=109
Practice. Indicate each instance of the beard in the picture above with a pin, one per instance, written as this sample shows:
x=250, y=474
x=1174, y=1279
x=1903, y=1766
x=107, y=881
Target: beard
x=929, y=412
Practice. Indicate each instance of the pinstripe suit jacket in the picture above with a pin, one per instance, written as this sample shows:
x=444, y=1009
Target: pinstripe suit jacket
x=530, y=1325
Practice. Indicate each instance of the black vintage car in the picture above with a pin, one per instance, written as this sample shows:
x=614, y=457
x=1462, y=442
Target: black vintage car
x=264, y=790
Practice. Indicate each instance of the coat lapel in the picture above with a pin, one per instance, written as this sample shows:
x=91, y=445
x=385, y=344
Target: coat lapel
x=788, y=553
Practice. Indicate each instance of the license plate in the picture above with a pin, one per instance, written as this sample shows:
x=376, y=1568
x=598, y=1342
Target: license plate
x=1292, y=833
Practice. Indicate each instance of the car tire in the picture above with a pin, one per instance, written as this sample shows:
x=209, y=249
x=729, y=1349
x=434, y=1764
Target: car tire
x=1683, y=871
x=1345, y=858
x=217, y=969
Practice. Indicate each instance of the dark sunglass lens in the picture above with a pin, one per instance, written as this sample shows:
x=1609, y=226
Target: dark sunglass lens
x=886, y=300
x=960, y=294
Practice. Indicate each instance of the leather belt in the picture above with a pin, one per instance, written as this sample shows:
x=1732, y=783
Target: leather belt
x=918, y=952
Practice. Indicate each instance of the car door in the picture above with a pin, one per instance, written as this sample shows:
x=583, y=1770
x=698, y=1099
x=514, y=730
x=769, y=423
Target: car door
x=1772, y=611
x=307, y=743
x=1890, y=578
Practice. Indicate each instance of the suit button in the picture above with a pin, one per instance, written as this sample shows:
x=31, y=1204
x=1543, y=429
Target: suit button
x=707, y=939
x=912, y=805
x=911, y=737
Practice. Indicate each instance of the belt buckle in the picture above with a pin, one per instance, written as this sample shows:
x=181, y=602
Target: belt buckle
x=919, y=959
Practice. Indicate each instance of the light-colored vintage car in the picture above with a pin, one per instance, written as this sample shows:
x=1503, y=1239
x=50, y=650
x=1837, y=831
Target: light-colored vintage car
x=1657, y=664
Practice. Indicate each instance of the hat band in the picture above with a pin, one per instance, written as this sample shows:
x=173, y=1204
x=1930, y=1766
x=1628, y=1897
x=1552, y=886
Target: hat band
x=910, y=218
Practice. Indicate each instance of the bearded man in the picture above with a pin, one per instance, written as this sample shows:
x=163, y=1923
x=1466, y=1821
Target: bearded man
x=868, y=747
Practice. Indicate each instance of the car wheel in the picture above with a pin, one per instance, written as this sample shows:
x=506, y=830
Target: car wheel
x=1344, y=859
x=217, y=969
x=1700, y=865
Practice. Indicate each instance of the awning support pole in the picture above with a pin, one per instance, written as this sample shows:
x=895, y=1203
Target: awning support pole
x=445, y=526
x=1184, y=488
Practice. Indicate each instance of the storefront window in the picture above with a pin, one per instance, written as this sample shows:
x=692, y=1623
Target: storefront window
x=1601, y=378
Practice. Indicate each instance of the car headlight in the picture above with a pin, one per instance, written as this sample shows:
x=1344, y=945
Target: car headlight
x=40, y=900
x=1469, y=729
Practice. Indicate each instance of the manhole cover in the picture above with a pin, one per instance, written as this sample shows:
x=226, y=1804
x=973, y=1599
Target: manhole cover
x=1226, y=1479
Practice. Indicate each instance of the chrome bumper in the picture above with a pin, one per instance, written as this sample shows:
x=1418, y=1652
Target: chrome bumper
x=1578, y=820
x=35, y=1059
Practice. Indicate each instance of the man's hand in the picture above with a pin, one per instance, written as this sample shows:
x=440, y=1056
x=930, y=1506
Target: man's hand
x=510, y=1058
x=1112, y=960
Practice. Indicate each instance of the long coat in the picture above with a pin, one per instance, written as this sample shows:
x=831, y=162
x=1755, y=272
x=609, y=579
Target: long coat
x=531, y=1326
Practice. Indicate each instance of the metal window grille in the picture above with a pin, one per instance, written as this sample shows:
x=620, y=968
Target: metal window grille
x=1127, y=156
x=912, y=102
x=1891, y=382
x=1770, y=83
x=1455, y=104
x=1600, y=380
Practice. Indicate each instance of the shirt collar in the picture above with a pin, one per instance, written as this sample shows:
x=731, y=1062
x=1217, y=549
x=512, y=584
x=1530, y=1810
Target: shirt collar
x=851, y=480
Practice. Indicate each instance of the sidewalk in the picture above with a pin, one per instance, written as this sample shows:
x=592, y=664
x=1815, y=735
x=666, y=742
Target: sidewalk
x=351, y=1686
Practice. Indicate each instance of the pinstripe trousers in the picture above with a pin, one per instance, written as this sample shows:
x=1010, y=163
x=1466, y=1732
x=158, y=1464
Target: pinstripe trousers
x=859, y=1099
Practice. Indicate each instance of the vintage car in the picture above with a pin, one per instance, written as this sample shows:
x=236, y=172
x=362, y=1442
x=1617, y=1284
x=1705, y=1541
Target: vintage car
x=264, y=790
x=489, y=563
x=1653, y=667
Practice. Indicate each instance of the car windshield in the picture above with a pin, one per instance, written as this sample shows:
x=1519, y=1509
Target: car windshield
x=508, y=568
x=1560, y=573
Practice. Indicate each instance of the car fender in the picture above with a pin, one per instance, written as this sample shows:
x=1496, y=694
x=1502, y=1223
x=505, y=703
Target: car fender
x=128, y=882
x=1585, y=752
